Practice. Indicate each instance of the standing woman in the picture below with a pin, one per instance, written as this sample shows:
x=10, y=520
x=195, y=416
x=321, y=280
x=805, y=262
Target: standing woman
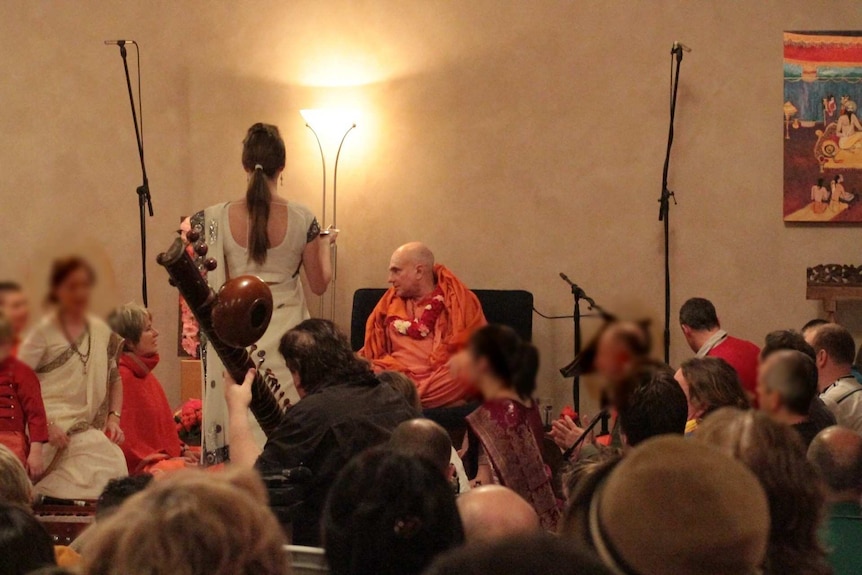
x=74, y=354
x=508, y=425
x=265, y=235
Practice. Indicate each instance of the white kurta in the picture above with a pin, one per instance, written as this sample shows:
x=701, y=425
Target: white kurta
x=78, y=403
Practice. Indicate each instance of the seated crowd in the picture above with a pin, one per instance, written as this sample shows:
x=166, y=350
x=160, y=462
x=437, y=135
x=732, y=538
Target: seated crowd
x=744, y=460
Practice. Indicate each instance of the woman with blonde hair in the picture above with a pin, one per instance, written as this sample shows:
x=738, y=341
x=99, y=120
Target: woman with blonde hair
x=191, y=523
x=15, y=486
x=151, y=434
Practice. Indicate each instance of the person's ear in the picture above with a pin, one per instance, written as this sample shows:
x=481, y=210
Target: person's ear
x=685, y=329
x=822, y=358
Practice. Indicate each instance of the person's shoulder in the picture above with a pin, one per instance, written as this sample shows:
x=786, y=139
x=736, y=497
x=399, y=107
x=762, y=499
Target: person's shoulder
x=301, y=210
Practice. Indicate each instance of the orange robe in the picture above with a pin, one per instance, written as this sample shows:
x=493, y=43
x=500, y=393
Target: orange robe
x=426, y=360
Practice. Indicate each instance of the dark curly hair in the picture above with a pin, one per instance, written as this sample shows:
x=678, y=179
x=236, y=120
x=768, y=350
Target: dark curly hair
x=322, y=357
x=389, y=514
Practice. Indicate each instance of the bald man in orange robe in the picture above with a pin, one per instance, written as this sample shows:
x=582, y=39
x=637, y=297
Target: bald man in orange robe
x=425, y=318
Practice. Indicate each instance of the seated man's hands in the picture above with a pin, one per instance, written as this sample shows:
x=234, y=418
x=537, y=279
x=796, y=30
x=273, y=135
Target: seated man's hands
x=565, y=432
x=238, y=396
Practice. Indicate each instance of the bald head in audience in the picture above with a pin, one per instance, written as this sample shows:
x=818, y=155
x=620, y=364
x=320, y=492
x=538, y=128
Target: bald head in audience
x=836, y=453
x=493, y=512
x=411, y=271
x=620, y=345
x=425, y=439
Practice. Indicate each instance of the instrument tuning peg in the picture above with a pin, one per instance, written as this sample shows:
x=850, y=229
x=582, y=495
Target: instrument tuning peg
x=210, y=264
x=193, y=236
x=172, y=282
x=201, y=249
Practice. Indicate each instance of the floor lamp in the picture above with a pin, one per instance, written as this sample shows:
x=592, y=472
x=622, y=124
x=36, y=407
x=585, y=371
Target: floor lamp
x=329, y=126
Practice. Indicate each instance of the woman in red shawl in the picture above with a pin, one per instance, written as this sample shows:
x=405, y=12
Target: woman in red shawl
x=151, y=433
x=508, y=425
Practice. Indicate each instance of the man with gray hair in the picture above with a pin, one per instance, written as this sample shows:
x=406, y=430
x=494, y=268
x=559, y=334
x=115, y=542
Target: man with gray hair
x=786, y=386
x=840, y=391
x=836, y=454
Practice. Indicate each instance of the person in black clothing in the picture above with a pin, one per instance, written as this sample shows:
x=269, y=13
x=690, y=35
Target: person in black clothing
x=786, y=387
x=819, y=416
x=344, y=410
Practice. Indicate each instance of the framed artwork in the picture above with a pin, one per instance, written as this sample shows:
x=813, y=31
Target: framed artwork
x=821, y=127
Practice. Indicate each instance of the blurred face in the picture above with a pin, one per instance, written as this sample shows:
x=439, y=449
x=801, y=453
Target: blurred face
x=16, y=308
x=149, y=342
x=611, y=359
x=476, y=371
x=73, y=295
x=404, y=276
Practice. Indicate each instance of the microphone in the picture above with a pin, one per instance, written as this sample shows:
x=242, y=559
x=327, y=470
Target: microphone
x=118, y=42
x=680, y=46
x=567, y=280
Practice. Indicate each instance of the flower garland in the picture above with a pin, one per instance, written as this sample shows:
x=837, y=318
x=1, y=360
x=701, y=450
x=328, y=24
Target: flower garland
x=422, y=326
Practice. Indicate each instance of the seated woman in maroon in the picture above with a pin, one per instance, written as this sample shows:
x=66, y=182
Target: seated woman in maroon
x=508, y=425
x=147, y=420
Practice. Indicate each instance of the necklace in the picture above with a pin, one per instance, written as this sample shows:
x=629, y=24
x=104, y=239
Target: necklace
x=84, y=358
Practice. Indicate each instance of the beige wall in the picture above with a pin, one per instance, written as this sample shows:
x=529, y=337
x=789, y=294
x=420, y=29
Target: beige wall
x=519, y=139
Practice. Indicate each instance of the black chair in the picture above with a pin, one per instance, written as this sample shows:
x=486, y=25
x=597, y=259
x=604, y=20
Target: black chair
x=507, y=307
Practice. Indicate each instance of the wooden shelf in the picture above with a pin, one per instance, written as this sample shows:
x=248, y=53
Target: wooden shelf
x=831, y=295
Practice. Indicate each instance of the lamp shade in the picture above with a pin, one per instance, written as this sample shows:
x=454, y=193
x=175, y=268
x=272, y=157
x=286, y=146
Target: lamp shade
x=329, y=122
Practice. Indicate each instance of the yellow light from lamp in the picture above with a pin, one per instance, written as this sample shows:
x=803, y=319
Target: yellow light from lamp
x=330, y=123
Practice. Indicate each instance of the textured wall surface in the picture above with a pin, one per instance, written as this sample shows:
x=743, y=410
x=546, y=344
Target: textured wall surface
x=518, y=139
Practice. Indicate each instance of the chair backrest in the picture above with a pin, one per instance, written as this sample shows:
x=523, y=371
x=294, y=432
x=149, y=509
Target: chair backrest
x=306, y=560
x=507, y=307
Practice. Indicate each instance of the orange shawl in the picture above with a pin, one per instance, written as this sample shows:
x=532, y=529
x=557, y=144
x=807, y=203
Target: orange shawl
x=462, y=316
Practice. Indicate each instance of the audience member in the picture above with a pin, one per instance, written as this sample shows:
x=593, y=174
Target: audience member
x=24, y=544
x=672, y=506
x=709, y=383
x=776, y=455
x=420, y=323
x=147, y=419
x=389, y=514
x=536, y=555
x=838, y=387
x=786, y=387
x=116, y=492
x=426, y=439
x=344, y=410
x=493, y=512
x=651, y=403
x=191, y=523
x=402, y=384
x=836, y=454
x=15, y=306
x=619, y=347
x=23, y=423
x=506, y=430
x=818, y=413
x=75, y=355
x=704, y=335
x=15, y=487
x=582, y=483
x=812, y=324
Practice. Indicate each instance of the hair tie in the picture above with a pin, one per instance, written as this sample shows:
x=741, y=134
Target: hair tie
x=258, y=167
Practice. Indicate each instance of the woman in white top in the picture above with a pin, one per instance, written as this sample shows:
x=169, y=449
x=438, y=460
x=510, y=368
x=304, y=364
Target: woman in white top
x=265, y=235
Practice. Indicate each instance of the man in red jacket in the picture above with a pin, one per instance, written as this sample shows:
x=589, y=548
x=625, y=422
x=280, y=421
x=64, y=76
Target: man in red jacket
x=704, y=335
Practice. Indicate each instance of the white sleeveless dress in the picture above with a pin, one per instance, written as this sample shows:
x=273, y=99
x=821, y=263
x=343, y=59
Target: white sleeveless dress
x=281, y=272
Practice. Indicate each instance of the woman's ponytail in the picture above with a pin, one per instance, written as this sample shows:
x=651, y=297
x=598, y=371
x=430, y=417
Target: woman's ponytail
x=257, y=199
x=263, y=156
x=525, y=368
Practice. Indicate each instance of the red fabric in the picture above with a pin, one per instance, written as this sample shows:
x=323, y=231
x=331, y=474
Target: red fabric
x=462, y=316
x=147, y=420
x=743, y=356
x=21, y=407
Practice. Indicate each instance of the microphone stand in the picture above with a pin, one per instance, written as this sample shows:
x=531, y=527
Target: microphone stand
x=143, y=191
x=579, y=294
x=667, y=194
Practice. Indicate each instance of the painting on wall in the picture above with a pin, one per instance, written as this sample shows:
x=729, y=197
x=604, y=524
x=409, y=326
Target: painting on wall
x=821, y=127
